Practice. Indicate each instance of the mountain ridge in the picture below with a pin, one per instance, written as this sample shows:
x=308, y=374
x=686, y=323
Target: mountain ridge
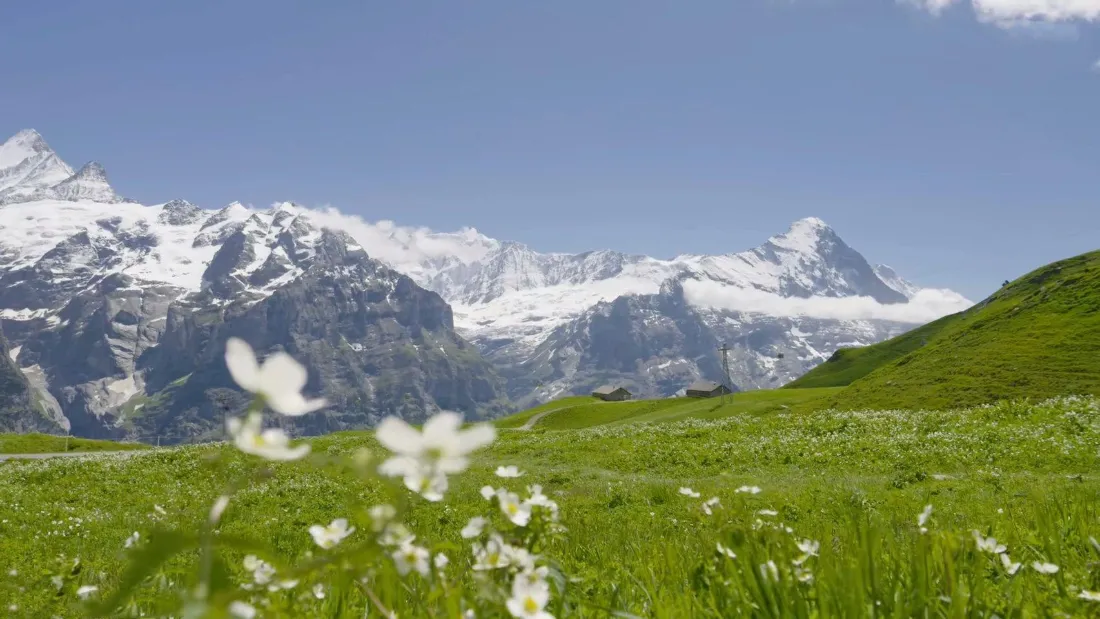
x=530, y=314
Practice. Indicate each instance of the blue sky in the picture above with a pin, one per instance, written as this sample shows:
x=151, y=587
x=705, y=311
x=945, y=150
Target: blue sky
x=960, y=147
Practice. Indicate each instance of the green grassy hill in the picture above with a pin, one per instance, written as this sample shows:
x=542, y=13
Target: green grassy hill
x=586, y=412
x=48, y=443
x=849, y=364
x=1037, y=337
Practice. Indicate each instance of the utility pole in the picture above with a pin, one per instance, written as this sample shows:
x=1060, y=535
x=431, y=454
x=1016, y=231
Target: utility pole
x=725, y=368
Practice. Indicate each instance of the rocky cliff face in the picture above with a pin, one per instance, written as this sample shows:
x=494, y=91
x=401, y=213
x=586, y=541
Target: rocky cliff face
x=119, y=313
x=19, y=409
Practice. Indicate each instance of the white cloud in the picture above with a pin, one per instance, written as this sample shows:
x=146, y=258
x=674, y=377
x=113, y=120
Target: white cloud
x=406, y=248
x=926, y=306
x=1015, y=14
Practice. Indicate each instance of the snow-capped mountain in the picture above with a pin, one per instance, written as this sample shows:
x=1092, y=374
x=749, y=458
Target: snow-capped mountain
x=558, y=323
x=116, y=312
x=28, y=165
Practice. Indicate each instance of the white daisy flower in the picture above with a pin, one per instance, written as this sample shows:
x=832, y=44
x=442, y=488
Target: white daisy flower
x=509, y=471
x=333, y=534
x=1044, y=568
x=514, y=509
x=441, y=561
x=380, y=516
x=425, y=458
x=218, y=508
x=492, y=555
x=749, y=489
x=1092, y=596
x=270, y=444
x=319, y=591
x=279, y=381
x=86, y=591
x=689, y=492
x=725, y=551
x=529, y=599
x=133, y=539
x=1009, y=566
x=241, y=610
x=409, y=558
x=922, y=518
x=989, y=544
x=474, y=527
x=487, y=492
x=709, y=504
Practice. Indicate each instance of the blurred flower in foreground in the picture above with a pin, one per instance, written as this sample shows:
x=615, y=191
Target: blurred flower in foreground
x=333, y=534
x=278, y=382
x=424, y=459
x=270, y=444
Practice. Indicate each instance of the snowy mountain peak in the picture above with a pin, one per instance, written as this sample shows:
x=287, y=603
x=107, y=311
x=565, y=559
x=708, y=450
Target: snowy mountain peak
x=87, y=184
x=28, y=139
x=93, y=171
x=804, y=236
x=28, y=165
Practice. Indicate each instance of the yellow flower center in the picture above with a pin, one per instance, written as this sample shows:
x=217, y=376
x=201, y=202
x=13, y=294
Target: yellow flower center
x=530, y=605
x=512, y=508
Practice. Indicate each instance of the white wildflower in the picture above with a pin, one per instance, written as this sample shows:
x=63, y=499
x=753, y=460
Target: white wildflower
x=1044, y=568
x=411, y=558
x=529, y=598
x=474, y=527
x=515, y=510
x=1092, y=596
x=159, y=510
x=279, y=381
x=709, y=504
x=689, y=492
x=333, y=534
x=769, y=570
x=380, y=516
x=441, y=561
x=803, y=575
x=86, y=591
x=768, y=512
x=725, y=551
x=270, y=444
x=241, y=610
x=218, y=508
x=488, y=492
x=319, y=591
x=133, y=539
x=395, y=534
x=749, y=489
x=1009, y=566
x=262, y=571
x=424, y=459
x=922, y=518
x=492, y=555
x=988, y=544
x=809, y=548
x=509, y=471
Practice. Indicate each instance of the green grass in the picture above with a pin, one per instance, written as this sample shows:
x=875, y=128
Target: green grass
x=855, y=481
x=518, y=419
x=1038, y=337
x=47, y=443
x=585, y=412
x=849, y=364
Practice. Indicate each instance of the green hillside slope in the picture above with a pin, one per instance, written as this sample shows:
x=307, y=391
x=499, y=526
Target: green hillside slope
x=1037, y=337
x=849, y=364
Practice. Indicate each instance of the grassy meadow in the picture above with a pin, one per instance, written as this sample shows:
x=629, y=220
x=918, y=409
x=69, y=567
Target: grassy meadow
x=635, y=545
x=48, y=443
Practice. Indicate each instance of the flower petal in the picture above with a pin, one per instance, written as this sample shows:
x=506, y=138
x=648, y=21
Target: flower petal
x=242, y=365
x=442, y=427
x=399, y=437
x=476, y=437
x=292, y=403
x=281, y=374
